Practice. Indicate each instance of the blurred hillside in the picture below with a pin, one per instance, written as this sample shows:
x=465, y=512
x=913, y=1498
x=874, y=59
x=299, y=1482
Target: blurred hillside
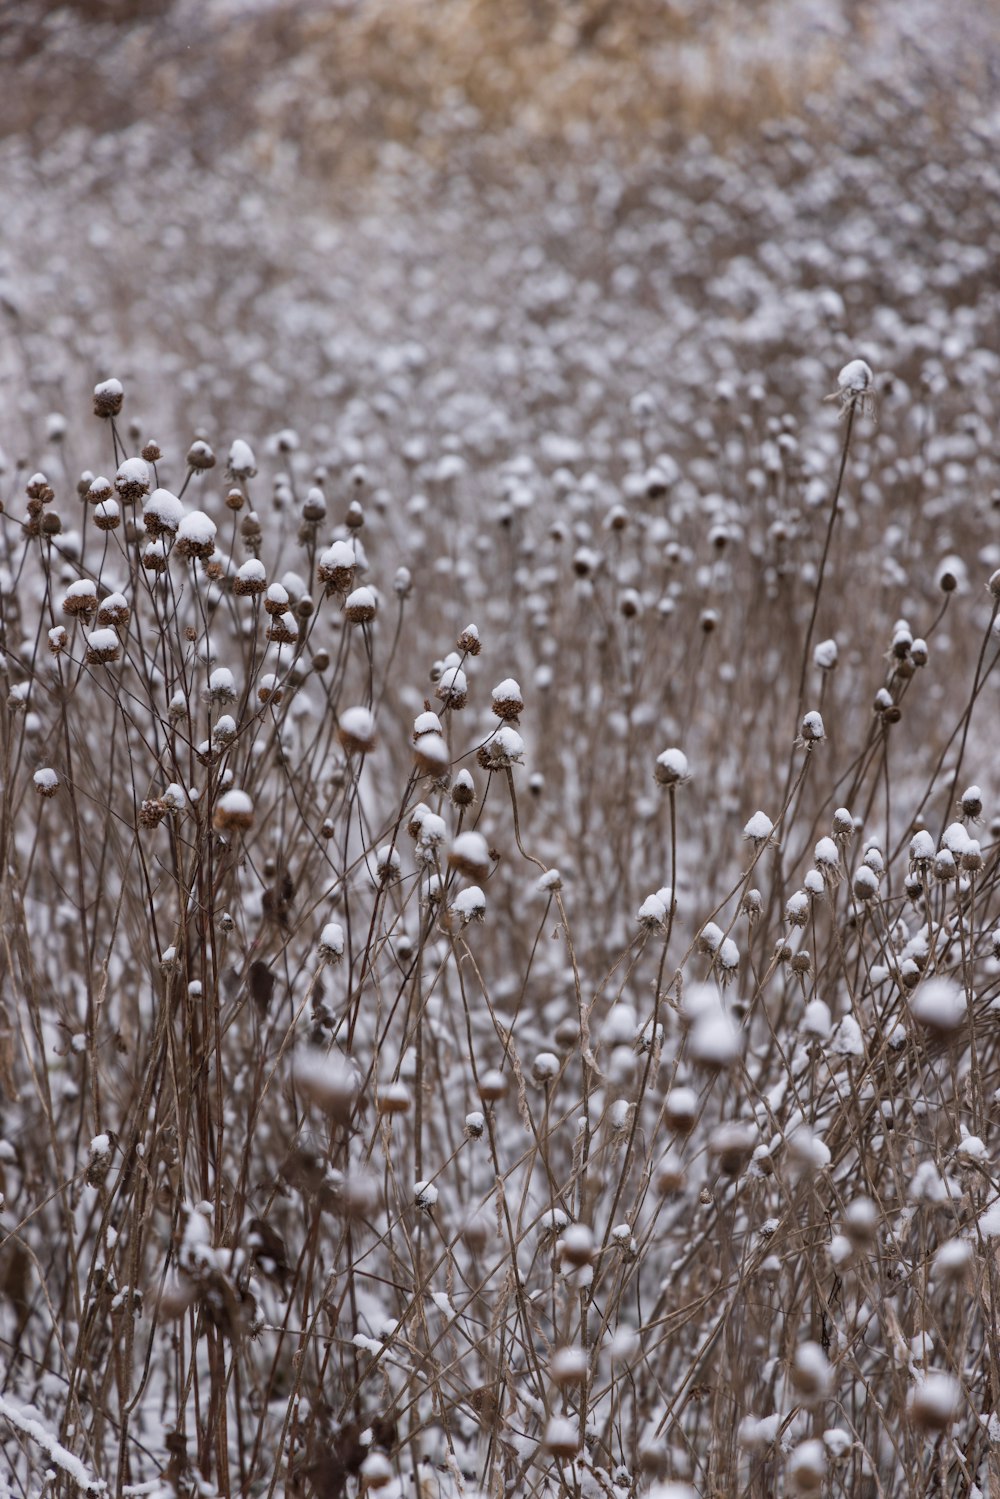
x=339, y=82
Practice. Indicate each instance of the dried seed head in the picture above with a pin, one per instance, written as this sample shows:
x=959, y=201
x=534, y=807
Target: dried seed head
x=468, y=642
x=825, y=655
x=151, y=451
x=57, y=639
x=680, y=1110
x=939, y=1004
x=251, y=579
x=356, y=731
x=103, y=647
x=81, y=599
x=233, y=812
x=114, y=610
x=861, y=1219
x=162, y=513
x=577, y=1246
x=812, y=730
x=971, y=803
x=431, y=755
x=562, y=1438
x=452, y=687
x=731, y=1146
x=241, y=463
x=807, y=1467
x=394, y=1098
x=108, y=398
x=843, y=826
x=195, y=536
x=545, y=1067
x=508, y=703
x=672, y=768
x=132, y=480
x=46, y=782
x=337, y=566
x=38, y=488
x=492, y=1085
x=283, y=629
x=152, y=812
x=797, y=909
x=810, y=1372
x=200, y=456
x=855, y=388
x=463, y=790
x=470, y=855
x=329, y=1081
x=504, y=749
x=107, y=516
x=360, y=607
x=934, y=1402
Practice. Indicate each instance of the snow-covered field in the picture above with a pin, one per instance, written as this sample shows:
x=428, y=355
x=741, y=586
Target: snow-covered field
x=499, y=805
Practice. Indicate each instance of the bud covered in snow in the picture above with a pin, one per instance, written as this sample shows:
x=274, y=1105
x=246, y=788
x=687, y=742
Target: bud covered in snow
x=934, y=1402
x=356, y=730
x=672, y=768
x=233, y=812
x=470, y=855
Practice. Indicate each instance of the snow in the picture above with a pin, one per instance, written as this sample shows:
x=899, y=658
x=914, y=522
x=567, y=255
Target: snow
x=469, y=904
x=251, y=571
x=936, y=1398
x=103, y=641
x=816, y=1020
x=758, y=828
x=332, y=940
x=939, y=1003
x=452, y=683
x=339, y=555
x=241, y=463
x=132, y=471
x=713, y=1039
x=83, y=588
x=825, y=655
x=989, y=1222
x=358, y=724
x=472, y=849
x=25, y=1420
x=361, y=598
x=813, y=729
x=46, y=779
x=758, y=1433
x=221, y=685
x=426, y=723
x=855, y=376
x=922, y=847
x=237, y=802
x=652, y=912
x=672, y=767
x=196, y=527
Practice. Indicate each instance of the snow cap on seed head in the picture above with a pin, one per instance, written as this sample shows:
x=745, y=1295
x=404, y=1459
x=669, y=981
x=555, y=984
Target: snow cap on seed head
x=672, y=768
